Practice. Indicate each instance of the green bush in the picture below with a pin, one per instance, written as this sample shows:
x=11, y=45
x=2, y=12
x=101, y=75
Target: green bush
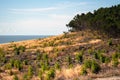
x=102, y=58
x=12, y=62
x=22, y=48
x=15, y=77
x=18, y=64
x=83, y=71
x=69, y=59
x=57, y=65
x=25, y=62
x=40, y=74
x=8, y=66
x=39, y=56
x=25, y=77
x=95, y=68
x=51, y=74
x=16, y=51
x=92, y=65
x=115, y=62
x=87, y=63
x=79, y=57
x=110, y=42
x=2, y=57
x=30, y=72
x=107, y=60
x=44, y=66
x=19, y=49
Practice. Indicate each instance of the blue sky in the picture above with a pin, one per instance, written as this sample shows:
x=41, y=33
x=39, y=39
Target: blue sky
x=43, y=17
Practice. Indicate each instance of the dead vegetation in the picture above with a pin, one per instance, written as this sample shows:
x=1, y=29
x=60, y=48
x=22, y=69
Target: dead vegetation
x=61, y=57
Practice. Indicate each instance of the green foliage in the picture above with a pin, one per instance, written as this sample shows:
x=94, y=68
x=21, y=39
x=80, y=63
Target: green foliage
x=18, y=64
x=107, y=60
x=57, y=65
x=110, y=42
x=79, y=57
x=39, y=56
x=115, y=62
x=25, y=77
x=30, y=72
x=115, y=58
x=99, y=55
x=83, y=71
x=87, y=63
x=40, y=74
x=95, y=68
x=69, y=59
x=22, y=48
x=44, y=65
x=19, y=49
x=8, y=66
x=92, y=65
x=2, y=57
x=25, y=62
x=16, y=50
x=15, y=77
x=104, y=20
x=51, y=74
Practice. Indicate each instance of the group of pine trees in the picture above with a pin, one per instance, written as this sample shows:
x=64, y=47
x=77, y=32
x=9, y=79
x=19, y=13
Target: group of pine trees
x=104, y=20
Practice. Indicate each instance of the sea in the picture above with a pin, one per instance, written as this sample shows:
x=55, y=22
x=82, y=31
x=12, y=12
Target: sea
x=14, y=38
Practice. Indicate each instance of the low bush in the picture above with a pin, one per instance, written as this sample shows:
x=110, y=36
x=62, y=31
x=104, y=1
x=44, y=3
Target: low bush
x=30, y=72
x=79, y=57
x=92, y=65
x=15, y=77
x=51, y=74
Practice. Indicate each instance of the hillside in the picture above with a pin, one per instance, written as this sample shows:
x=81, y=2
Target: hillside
x=79, y=55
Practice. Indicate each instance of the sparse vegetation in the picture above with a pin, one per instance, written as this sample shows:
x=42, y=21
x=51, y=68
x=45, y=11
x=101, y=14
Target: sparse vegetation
x=73, y=55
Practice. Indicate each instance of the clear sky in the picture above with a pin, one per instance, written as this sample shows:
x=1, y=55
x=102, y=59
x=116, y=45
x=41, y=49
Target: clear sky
x=43, y=17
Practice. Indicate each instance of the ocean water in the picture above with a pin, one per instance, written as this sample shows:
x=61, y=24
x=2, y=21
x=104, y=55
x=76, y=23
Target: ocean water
x=7, y=39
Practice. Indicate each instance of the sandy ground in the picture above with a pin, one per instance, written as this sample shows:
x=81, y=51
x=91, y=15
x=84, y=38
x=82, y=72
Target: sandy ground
x=109, y=78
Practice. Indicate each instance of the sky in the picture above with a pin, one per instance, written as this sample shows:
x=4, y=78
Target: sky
x=43, y=17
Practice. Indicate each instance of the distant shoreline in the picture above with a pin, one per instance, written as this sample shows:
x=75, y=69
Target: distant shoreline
x=16, y=38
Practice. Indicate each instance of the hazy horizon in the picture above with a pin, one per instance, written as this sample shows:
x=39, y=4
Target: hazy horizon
x=48, y=17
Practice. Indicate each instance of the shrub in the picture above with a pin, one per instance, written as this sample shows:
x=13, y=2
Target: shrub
x=110, y=42
x=57, y=65
x=115, y=62
x=25, y=77
x=15, y=77
x=83, y=71
x=19, y=49
x=12, y=62
x=18, y=64
x=79, y=57
x=44, y=66
x=45, y=57
x=2, y=57
x=16, y=51
x=25, y=62
x=87, y=63
x=22, y=48
x=8, y=66
x=50, y=74
x=102, y=58
x=30, y=72
x=92, y=65
x=95, y=68
x=107, y=60
x=69, y=60
x=39, y=56
x=40, y=74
